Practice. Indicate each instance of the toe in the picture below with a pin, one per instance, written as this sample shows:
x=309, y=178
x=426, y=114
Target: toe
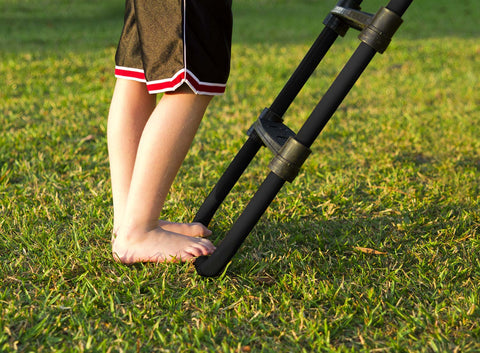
x=194, y=251
x=200, y=229
x=207, y=244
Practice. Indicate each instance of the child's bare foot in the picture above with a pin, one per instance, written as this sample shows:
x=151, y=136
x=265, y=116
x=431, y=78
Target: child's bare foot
x=159, y=245
x=194, y=229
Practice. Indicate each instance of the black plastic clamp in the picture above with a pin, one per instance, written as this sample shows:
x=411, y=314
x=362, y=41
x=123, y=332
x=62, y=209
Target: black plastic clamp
x=381, y=29
x=271, y=130
x=288, y=161
x=376, y=30
x=338, y=23
x=352, y=17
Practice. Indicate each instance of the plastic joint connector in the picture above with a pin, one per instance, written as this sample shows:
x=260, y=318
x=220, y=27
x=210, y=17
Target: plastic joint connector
x=381, y=29
x=287, y=163
x=351, y=17
x=339, y=25
x=270, y=129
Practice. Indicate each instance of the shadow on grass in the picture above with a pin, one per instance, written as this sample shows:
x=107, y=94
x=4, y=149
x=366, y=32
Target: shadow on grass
x=435, y=230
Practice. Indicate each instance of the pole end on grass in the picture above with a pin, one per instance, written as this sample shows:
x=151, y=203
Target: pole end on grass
x=204, y=267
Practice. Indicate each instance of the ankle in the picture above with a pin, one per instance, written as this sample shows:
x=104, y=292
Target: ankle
x=130, y=233
x=132, y=226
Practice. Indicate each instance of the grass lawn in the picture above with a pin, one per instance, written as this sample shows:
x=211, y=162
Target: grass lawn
x=375, y=247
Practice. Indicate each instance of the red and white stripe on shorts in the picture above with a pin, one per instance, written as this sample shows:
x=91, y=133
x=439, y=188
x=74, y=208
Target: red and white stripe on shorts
x=171, y=84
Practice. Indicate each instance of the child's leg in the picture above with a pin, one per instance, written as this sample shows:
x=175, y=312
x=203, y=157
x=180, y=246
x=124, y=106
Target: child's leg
x=130, y=110
x=162, y=148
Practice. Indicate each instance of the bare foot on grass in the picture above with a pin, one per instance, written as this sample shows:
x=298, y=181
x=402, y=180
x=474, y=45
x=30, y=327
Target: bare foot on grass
x=159, y=245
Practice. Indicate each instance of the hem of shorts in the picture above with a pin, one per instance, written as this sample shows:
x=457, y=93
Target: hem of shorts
x=171, y=84
x=130, y=73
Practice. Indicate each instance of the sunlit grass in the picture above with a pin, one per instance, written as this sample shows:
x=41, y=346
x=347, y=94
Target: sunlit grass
x=374, y=247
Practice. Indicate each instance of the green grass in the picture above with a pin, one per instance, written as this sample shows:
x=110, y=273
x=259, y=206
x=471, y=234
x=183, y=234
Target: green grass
x=397, y=170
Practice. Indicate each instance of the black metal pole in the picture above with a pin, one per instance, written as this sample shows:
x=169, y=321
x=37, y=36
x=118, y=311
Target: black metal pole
x=228, y=179
x=213, y=265
x=342, y=85
x=304, y=70
x=280, y=105
x=328, y=36
x=335, y=95
x=399, y=6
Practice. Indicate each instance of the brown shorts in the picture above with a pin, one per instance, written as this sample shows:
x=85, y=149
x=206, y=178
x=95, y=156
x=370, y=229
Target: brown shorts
x=166, y=43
